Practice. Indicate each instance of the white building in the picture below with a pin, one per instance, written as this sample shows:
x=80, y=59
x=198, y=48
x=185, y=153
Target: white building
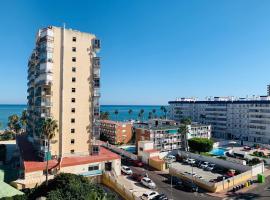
x=242, y=119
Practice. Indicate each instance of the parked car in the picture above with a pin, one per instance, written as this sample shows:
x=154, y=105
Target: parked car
x=171, y=158
x=148, y=183
x=175, y=180
x=191, y=161
x=137, y=163
x=189, y=185
x=198, y=163
x=126, y=170
x=150, y=195
x=210, y=167
x=138, y=175
x=204, y=165
x=160, y=197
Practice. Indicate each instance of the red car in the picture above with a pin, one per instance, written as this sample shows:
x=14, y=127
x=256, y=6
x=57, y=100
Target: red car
x=137, y=163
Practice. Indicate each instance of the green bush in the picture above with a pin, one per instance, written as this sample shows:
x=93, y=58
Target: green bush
x=7, y=135
x=200, y=144
x=70, y=186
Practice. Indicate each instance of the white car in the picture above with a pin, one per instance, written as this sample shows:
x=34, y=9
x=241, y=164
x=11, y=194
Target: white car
x=210, y=167
x=191, y=161
x=204, y=165
x=148, y=183
x=149, y=195
x=126, y=170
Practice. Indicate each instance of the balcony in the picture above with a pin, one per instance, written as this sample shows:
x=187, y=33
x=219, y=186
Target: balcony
x=46, y=66
x=44, y=79
x=96, y=62
x=46, y=32
x=96, y=44
x=46, y=104
x=45, y=115
x=96, y=92
x=46, y=38
x=96, y=73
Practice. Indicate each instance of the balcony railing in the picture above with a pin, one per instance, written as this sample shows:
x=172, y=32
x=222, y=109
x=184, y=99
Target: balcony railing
x=96, y=44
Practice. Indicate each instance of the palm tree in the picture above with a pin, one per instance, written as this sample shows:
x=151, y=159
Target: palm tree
x=154, y=113
x=23, y=119
x=163, y=108
x=1, y=124
x=48, y=129
x=142, y=112
x=13, y=123
x=116, y=114
x=150, y=115
x=183, y=129
x=129, y=113
x=104, y=115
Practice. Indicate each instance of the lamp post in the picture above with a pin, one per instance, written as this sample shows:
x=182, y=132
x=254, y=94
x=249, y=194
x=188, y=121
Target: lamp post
x=168, y=163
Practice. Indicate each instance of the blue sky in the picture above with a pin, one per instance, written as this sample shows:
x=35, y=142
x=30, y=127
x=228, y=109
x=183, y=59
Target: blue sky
x=152, y=51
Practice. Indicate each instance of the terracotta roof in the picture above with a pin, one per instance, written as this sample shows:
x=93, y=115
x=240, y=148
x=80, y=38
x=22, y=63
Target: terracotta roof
x=32, y=164
x=151, y=150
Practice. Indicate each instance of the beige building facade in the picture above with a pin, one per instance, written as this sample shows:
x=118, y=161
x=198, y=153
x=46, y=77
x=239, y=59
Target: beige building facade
x=63, y=84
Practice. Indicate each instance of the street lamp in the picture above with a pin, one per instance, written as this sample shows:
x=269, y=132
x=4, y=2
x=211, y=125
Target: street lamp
x=168, y=163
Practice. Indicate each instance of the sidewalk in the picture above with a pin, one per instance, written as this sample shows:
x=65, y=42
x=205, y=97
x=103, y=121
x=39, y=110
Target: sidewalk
x=244, y=190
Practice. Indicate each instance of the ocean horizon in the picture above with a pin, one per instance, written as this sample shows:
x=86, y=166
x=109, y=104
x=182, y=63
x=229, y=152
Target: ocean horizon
x=9, y=109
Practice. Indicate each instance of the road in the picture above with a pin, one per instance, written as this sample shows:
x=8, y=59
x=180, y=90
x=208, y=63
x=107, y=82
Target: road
x=261, y=192
x=172, y=193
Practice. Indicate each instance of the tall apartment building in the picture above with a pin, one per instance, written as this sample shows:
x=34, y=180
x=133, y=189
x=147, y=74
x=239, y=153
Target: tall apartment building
x=63, y=84
x=115, y=132
x=247, y=120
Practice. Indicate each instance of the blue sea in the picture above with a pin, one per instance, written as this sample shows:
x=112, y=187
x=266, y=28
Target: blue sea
x=7, y=110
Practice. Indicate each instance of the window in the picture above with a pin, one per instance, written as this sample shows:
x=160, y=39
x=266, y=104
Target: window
x=73, y=79
x=73, y=110
x=72, y=130
x=74, y=39
x=93, y=167
x=73, y=69
x=73, y=100
x=72, y=151
x=73, y=89
x=72, y=120
x=74, y=49
x=72, y=141
x=73, y=59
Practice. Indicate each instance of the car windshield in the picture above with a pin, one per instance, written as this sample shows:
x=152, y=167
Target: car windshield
x=148, y=181
x=127, y=168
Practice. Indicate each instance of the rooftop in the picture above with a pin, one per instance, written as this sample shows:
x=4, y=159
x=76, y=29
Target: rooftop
x=151, y=150
x=31, y=162
x=114, y=122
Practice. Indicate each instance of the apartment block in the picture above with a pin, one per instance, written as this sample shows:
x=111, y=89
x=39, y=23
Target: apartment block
x=243, y=119
x=115, y=132
x=63, y=84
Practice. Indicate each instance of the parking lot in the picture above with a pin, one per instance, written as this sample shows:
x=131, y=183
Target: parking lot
x=206, y=175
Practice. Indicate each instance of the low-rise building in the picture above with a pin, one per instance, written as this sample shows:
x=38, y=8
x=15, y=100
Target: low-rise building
x=115, y=132
x=166, y=134
x=92, y=166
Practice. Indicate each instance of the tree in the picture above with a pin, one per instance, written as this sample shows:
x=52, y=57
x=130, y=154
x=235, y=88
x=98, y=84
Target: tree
x=141, y=114
x=104, y=115
x=154, y=113
x=183, y=129
x=71, y=186
x=1, y=124
x=200, y=144
x=150, y=115
x=48, y=129
x=186, y=121
x=14, y=123
x=3, y=152
x=163, y=108
x=116, y=114
x=23, y=119
x=129, y=113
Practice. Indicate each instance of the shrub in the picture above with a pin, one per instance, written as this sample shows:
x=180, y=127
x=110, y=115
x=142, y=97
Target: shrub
x=200, y=144
x=3, y=152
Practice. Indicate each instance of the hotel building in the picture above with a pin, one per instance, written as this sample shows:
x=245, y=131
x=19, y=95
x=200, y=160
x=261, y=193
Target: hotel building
x=166, y=134
x=115, y=132
x=63, y=84
x=246, y=120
